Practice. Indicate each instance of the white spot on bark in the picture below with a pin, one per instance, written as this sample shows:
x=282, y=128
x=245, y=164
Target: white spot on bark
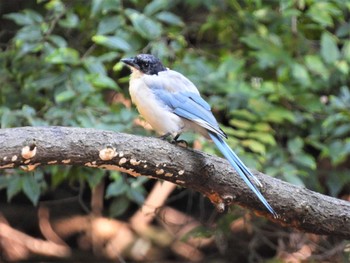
x=107, y=154
x=27, y=153
x=52, y=162
x=181, y=172
x=121, y=154
x=66, y=161
x=26, y=161
x=164, y=165
x=122, y=161
x=159, y=171
x=168, y=174
x=180, y=182
x=134, y=162
x=145, y=166
x=14, y=158
x=5, y=158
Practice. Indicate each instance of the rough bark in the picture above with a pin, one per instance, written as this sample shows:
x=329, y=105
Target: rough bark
x=298, y=207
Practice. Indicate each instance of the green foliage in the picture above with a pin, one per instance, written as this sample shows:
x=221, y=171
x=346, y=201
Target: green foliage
x=123, y=191
x=276, y=74
x=283, y=67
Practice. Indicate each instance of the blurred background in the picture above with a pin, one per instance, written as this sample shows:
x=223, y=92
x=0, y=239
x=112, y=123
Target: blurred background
x=275, y=72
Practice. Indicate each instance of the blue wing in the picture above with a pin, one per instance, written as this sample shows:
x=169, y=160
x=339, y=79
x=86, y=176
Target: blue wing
x=190, y=105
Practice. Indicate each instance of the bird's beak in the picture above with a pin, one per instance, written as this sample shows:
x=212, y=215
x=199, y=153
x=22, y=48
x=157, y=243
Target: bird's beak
x=130, y=62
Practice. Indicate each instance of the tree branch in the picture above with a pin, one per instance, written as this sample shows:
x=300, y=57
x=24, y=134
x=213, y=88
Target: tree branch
x=298, y=207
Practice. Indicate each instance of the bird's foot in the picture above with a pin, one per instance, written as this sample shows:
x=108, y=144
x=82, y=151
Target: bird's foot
x=174, y=140
x=181, y=143
x=164, y=136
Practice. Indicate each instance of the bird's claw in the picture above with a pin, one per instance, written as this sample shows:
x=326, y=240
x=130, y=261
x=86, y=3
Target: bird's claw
x=175, y=140
x=182, y=143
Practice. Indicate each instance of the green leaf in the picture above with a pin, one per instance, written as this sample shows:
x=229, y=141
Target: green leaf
x=27, y=17
x=341, y=130
x=295, y=146
x=96, y=6
x=104, y=6
x=108, y=57
x=135, y=195
x=300, y=74
x=169, y=18
x=95, y=177
x=65, y=96
x=109, y=25
x=293, y=179
x=244, y=114
x=114, y=42
x=264, y=127
x=342, y=66
x=94, y=66
x=315, y=64
x=155, y=6
x=346, y=51
x=343, y=30
x=103, y=81
x=118, y=187
x=320, y=13
x=254, y=146
x=58, y=41
x=118, y=206
x=59, y=174
x=199, y=231
x=7, y=117
x=48, y=81
x=305, y=160
x=71, y=20
x=31, y=188
x=245, y=125
x=337, y=180
x=336, y=152
x=329, y=49
x=14, y=187
x=145, y=26
x=263, y=137
x=64, y=55
x=279, y=115
x=30, y=33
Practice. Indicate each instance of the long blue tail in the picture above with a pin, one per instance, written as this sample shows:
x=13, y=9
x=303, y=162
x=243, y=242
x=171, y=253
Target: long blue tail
x=241, y=169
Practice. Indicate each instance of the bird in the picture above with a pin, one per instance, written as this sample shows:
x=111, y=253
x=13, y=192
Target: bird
x=172, y=104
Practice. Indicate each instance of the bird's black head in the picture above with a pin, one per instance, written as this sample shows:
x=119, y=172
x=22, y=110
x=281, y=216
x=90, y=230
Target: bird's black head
x=146, y=63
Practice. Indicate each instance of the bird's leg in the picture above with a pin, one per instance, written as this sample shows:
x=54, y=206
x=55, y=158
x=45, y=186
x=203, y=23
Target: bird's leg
x=173, y=140
x=164, y=136
x=177, y=142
